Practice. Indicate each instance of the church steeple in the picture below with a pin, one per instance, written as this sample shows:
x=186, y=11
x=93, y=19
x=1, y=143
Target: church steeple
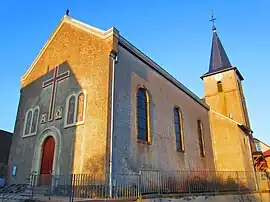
x=218, y=60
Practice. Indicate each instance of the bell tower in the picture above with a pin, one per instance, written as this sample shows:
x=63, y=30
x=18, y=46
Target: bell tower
x=223, y=85
x=230, y=128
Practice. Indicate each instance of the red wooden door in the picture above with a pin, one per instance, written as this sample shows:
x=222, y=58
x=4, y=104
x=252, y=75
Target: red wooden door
x=47, y=160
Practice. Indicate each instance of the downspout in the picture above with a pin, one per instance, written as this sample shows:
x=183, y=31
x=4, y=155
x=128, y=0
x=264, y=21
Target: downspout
x=114, y=57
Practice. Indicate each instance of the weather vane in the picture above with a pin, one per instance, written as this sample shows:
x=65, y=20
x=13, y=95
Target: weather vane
x=213, y=20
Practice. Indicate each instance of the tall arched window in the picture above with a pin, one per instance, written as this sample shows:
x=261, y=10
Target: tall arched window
x=75, y=109
x=28, y=122
x=201, y=139
x=71, y=109
x=143, y=124
x=178, y=125
x=80, y=107
x=31, y=121
x=35, y=120
x=219, y=86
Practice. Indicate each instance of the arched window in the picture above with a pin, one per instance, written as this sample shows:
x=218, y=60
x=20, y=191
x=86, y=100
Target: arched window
x=71, y=103
x=80, y=107
x=31, y=121
x=143, y=125
x=75, y=109
x=28, y=122
x=178, y=125
x=35, y=120
x=201, y=139
x=219, y=86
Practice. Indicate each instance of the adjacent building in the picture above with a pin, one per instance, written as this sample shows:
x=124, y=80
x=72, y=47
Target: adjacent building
x=5, y=144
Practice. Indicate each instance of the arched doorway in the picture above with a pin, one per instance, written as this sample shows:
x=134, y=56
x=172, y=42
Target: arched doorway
x=47, y=160
x=39, y=154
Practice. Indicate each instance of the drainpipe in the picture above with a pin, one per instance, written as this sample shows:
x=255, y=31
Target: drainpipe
x=114, y=57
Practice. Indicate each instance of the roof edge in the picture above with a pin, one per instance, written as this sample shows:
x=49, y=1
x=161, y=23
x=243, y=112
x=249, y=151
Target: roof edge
x=223, y=70
x=130, y=47
x=6, y=132
x=261, y=142
x=245, y=129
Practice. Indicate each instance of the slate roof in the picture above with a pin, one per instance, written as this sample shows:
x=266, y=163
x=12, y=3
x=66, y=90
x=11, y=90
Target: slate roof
x=219, y=60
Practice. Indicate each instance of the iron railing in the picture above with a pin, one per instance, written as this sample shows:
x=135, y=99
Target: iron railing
x=145, y=182
x=161, y=182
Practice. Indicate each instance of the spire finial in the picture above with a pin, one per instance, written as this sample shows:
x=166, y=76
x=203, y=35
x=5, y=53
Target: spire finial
x=213, y=21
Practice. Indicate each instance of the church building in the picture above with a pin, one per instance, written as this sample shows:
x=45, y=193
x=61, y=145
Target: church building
x=91, y=102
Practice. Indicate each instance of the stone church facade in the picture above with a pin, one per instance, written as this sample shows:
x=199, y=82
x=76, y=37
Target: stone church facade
x=91, y=102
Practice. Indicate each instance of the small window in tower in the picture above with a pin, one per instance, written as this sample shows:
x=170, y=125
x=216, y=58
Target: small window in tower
x=219, y=86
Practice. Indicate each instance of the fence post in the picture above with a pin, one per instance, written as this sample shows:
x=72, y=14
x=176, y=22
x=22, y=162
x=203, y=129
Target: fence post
x=50, y=187
x=32, y=184
x=3, y=194
x=215, y=182
x=159, y=185
x=139, y=187
x=188, y=181
x=70, y=188
x=238, y=181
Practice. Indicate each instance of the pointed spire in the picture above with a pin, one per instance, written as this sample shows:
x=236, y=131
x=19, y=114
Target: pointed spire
x=219, y=59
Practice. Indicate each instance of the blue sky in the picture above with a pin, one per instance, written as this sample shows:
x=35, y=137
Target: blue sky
x=176, y=34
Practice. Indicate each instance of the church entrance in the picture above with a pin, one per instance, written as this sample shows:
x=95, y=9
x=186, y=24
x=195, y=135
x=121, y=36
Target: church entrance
x=47, y=161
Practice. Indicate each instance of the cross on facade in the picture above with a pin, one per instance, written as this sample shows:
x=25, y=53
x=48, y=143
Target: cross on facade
x=53, y=81
x=213, y=20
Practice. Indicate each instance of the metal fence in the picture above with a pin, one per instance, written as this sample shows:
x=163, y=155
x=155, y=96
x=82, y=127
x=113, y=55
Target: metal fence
x=78, y=186
x=161, y=182
x=146, y=182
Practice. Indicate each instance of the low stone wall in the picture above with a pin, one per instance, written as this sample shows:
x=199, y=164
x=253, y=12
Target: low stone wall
x=251, y=197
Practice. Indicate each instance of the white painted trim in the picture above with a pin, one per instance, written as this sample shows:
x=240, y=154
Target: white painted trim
x=83, y=26
x=36, y=162
x=76, y=109
x=90, y=29
x=29, y=135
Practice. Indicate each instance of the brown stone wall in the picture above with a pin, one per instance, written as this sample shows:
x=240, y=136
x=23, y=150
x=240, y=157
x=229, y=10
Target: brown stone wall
x=88, y=58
